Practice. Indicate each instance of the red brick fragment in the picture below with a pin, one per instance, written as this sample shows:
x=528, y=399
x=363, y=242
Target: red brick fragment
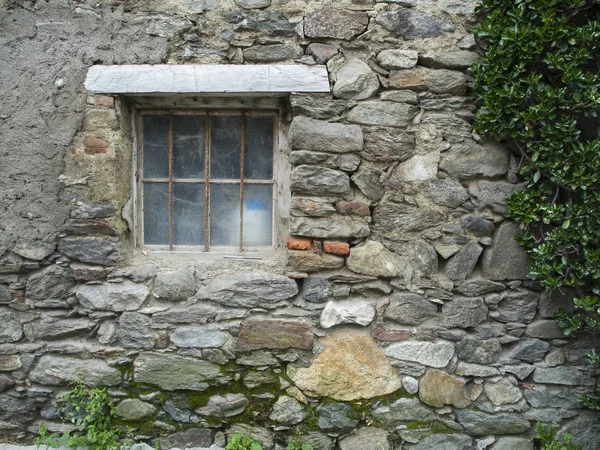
x=94, y=146
x=390, y=334
x=353, y=208
x=104, y=100
x=298, y=243
x=336, y=247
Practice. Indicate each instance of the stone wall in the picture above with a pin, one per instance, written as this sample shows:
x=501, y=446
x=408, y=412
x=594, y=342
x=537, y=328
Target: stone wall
x=402, y=317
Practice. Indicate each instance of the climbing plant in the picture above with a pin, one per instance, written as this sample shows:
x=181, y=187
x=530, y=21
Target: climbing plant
x=538, y=86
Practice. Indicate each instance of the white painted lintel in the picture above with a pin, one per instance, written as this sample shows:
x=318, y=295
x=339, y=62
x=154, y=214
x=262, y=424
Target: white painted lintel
x=189, y=79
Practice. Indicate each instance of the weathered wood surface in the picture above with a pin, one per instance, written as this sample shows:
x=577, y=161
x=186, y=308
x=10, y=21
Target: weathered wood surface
x=198, y=79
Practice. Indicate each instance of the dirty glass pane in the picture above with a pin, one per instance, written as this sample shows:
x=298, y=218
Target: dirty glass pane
x=258, y=215
x=156, y=213
x=225, y=148
x=225, y=214
x=188, y=146
x=156, y=146
x=258, y=157
x=188, y=214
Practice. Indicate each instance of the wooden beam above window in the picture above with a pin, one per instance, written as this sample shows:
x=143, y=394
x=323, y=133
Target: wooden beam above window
x=190, y=79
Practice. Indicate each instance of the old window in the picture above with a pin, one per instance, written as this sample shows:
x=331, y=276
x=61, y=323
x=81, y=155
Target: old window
x=206, y=179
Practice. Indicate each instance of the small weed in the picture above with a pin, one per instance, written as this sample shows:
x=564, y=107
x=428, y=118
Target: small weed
x=295, y=446
x=243, y=442
x=547, y=438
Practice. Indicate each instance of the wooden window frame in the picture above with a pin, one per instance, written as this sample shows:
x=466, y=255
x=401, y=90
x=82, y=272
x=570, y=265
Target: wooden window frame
x=137, y=118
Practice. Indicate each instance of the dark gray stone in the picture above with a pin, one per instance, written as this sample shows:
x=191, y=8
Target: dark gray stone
x=347, y=162
x=481, y=424
x=335, y=23
x=50, y=328
x=5, y=295
x=287, y=411
x=90, y=250
x=409, y=309
x=298, y=157
x=544, y=329
x=135, y=331
x=51, y=287
x=387, y=114
x=317, y=289
x=475, y=288
x=444, y=442
x=274, y=23
x=363, y=438
x=479, y=351
x=175, y=286
x=387, y=144
x=517, y=306
x=272, y=53
x=413, y=24
x=320, y=136
x=529, y=350
x=60, y=370
x=86, y=210
x=249, y=289
x=492, y=194
x=458, y=7
x=18, y=409
x=458, y=60
x=464, y=312
x=582, y=429
x=447, y=192
x=316, y=180
x=367, y=179
x=334, y=416
x=253, y=4
x=195, y=314
x=34, y=250
x=553, y=301
x=477, y=225
x=123, y=296
x=329, y=227
x=198, y=337
x=394, y=219
x=462, y=264
x=505, y=259
x=402, y=410
x=568, y=376
x=469, y=160
x=550, y=397
x=317, y=106
x=355, y=80
x=10, y=326
x=194, y=437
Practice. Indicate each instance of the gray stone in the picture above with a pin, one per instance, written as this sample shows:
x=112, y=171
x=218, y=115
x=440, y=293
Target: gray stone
x=91, y=250
x=479, y=351
x=446, y=192
x=521, y=371
x=249, y=289
x=544, y=329
x=517, y=306
x=6, y=383
x=135, y=331
x=335, y=23
x=402, y=410
x=462, y=264
x=298, y=157
x=51, y=328
x=413, y=24
x=393, y=220
x=165, y=26
x=59, y=370
x=372, y=258
x=10, y=326
x=34, y=250
x=512, y=443
x=259, y=378
x=348, y=162
x=51, y=287
x=316, y=180
x=410, y=384
x=444, y=442
x=174, y=286
x=317, y=289
x=357, y=311
x=310, y=134
x=365, y=438
x=9, y=363
x=107, y=332
x=582, y=429
x=227, y=405
x=477, y=225
x=492, y=194
x=287, y=411
x=475, y=370
x=438, y=388
x=502, y=392
x=441, y=81
x=194, y=314
x=355, y=80
x=568, y=376
x=477, y=287
x=434, y=354
x=464, y=312
x=416, y=168
x=409, y=309
x=134, y=409
x=458, y=60
x=540, y=396
x=554, y=358
x=321, y=53
x=257, y=433
x=329, y=227
x=469, y=160
x=378, y=113
x=253, y=4
x=274, y=23
x=198, y=337
x=311, y=207
x=272, y=53
x=5, y=295
x=480, y=424
x=459, y=7
x=397, y=59
x=307, y=261
x=316, y=440
x=387, y=144
x=409, y=97
x=257, y=333
x=171, y=372
x=553, y=301
x=317, y=106
x=123, y=296
x=367, y=178
x=192, y=438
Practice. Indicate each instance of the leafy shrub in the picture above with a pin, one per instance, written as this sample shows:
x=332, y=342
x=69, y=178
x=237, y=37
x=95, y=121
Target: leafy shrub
x=538, y=86
x=91, y=410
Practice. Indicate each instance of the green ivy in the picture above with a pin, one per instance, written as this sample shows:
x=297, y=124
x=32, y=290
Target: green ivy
x=538, y=86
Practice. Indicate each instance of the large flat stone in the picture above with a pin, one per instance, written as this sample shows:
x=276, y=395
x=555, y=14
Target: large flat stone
x=316, y=180
x=461, y=265
x=387, y=144
x=135, y=331
x=413, y=24
x=198, y=337
x=517, y=306
x=329, y=227
x=51, y=328
x=437, y=81
x=91, y=250
x=437, y=388
x=481, y=424
x=457, y=60
x=258, y=333
x=358, y=311
x=434, y=354
x=568, y=376
x=317, y=135
x=273, y=23
x=366, y=438
x=505, y=259
x=171, y=372
x=309, y=261
x=372, y=258
x=468, y=160
x=402, y=410
x=393, y=59
x=61, y=370
x=492, y=194
x=335, y=23
x=393, y=220
x=355, y=80
x=464, y=312
x=351, y=367
x=387, y=114
x=177, y=285
x=249, y=289
x=272, y=53
x=50, y=287
x=11, y=329
x=409, y=309
x=123, y=296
